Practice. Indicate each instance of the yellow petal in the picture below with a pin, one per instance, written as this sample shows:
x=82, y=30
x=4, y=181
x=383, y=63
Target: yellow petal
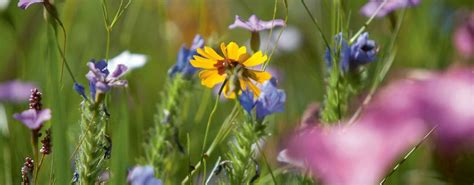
x=254, y=88
x=210, y=78
x=256, y=59
x=259, y=76
x=203, y=53
x=227, y=93
x=234, y=52
x=213, y=53
x=204, y=63
x=224, y=50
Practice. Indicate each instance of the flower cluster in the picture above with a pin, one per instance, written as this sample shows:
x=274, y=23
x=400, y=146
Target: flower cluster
x=363, y=51
x=27, y=171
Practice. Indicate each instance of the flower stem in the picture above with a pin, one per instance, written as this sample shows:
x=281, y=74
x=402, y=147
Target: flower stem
x=38, y=168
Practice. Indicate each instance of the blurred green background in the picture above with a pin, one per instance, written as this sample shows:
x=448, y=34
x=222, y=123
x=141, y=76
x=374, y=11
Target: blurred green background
x=157, y=28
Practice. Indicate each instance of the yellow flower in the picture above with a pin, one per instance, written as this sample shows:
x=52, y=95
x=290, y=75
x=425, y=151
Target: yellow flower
x=233, y=66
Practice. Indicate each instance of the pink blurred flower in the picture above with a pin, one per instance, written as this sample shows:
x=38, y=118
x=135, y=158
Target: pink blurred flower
x=32, y=118
x=354, y=155
x=15, y=91
x=464, y=37
x=399, y=116
x=24, y=4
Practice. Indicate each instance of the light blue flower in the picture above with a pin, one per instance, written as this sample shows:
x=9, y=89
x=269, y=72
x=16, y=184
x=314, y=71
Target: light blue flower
x=271, y=100
x=143, y=175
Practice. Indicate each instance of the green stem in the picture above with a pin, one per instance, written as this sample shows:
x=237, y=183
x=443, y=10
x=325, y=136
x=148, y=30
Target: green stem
x=408, y=155
x=221, y=134
x=107, y=47
x=367, y=22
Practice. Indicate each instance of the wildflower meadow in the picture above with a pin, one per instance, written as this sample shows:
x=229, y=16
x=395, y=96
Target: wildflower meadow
x=152, y=92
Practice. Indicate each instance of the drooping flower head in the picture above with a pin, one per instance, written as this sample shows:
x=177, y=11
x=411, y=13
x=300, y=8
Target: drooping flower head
x=101, y=80
x=143, y=175
x=15, y=91
x=233, y=67
x=361, y=52
x=183, y=65
x=464, y=37
x=24, y=4
x=254, y=24
x=390, y=6
x=271, y=100
x=35, y=116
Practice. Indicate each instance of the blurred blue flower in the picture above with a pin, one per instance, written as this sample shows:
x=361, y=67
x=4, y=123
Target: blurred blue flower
x=363, y=51
x=183, y=65
x=100, y=79
x=344, y=53
x=254, y=24
x=247, y=101
x=271, y=99
x=24, y=4
x=143, y=175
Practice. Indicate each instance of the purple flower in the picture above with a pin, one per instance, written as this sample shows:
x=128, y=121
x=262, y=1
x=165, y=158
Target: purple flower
x=15, y=91
x=142, y=175
x=32, y=118
x=80, y=89
x=24, y=4
x=271, y=99
x=464, y=38
x=363, y=51
x=255, y=25
x=247, y=101
x=100, y=79
x=391, y=5
x=183, y=66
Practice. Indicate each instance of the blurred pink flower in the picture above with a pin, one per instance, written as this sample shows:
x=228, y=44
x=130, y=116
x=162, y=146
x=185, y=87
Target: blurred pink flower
x=464, y=37
x=397, y=119
x=448, y=103
x=32, y=118
x=354, y=155
x=15, y=91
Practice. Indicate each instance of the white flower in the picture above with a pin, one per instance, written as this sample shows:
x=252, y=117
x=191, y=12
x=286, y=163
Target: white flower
x=4, y=4
x=130, y=60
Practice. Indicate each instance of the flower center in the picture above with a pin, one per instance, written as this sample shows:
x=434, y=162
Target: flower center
x=226, y=64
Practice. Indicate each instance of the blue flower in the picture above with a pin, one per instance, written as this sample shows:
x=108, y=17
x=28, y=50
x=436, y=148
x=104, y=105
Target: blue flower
x=344, y=53
x=363, y=51
x=143, y=175
x=183, y=64
x=271, y=100
x=247, y=101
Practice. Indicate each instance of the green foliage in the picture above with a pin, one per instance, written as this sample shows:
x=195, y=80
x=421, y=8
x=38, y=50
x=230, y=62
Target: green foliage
x=163, y=146
x=92, y=156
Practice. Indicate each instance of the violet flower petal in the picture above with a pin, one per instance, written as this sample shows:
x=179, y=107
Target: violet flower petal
x=24, y=4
